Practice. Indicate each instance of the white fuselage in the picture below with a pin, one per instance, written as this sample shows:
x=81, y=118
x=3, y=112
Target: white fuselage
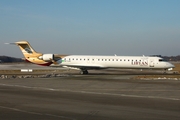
x=115, y=62
x=85, y=62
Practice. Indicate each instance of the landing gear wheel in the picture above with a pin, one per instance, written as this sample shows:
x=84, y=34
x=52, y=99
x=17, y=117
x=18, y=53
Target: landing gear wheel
x=83, y=72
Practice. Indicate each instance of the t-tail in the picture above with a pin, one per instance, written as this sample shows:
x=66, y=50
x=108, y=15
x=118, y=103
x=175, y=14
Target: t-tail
x=32, y=56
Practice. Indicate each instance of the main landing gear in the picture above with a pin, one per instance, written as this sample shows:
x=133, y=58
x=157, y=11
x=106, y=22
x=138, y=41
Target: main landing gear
x=83, y=72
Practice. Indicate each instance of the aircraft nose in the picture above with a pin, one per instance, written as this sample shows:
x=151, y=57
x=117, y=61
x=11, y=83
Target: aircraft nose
x=171, y=65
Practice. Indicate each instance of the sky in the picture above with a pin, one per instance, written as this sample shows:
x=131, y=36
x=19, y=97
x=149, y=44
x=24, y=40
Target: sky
x=91, y=27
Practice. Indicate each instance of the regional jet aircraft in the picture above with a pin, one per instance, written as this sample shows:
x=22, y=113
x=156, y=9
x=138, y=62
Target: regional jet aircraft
x=87, y=62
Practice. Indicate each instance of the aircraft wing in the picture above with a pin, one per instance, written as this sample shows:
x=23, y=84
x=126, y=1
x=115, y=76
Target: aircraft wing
x=87, y=67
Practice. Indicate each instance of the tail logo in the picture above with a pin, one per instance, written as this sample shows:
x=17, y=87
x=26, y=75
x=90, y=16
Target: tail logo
x=27, y=49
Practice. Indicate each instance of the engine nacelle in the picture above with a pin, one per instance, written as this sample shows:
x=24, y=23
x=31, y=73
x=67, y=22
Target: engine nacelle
x=47, y=57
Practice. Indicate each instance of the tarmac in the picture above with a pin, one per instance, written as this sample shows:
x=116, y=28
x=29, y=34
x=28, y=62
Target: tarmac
x=97, y=96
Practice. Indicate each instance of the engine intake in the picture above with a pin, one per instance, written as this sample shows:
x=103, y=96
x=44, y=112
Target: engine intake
x=47, y=57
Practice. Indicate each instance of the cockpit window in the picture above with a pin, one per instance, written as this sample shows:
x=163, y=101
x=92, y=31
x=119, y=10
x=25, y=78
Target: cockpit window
x=161, y=60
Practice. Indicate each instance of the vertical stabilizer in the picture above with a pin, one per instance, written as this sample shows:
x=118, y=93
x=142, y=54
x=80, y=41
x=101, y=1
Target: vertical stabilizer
x=26, y=48
x=31, y=55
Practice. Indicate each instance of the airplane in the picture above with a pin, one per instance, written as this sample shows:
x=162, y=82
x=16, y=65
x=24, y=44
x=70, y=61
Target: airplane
x=88, y=62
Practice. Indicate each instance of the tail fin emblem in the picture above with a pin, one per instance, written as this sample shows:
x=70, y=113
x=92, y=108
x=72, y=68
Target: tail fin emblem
x=27, y=49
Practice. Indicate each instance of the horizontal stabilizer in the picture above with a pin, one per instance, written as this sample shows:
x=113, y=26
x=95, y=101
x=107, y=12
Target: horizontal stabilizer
x=10, y=43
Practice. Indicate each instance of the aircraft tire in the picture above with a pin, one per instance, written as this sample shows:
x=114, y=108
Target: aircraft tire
x=83, y=72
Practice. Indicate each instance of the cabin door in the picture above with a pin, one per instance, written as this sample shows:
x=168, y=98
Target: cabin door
x=151, y=64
